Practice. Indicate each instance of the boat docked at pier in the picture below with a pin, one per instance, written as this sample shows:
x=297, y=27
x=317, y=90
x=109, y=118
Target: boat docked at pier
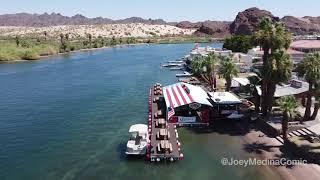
x=137, y=144
x=175, y=64
x=184, y=74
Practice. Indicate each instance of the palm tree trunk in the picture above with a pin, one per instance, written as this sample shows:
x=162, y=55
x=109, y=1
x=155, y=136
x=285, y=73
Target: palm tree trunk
x=228, y=84
x=270, y=95
x=285, y=125
x=315, y=111
x=307, y=112
x=264, y=106
x=264, y=87
x=214, y=80
x=303, y=101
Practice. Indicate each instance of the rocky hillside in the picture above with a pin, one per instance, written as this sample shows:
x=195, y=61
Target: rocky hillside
x=302, y=26
x=56, y=19
x=245, y=22
x=214, y=28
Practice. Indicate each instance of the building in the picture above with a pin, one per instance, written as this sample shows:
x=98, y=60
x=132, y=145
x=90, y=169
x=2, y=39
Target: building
x=243, y=61
x=190, y=104
x=294, y=87
x=226, y=105
x=296, y=55
x=306, y=46
x=205, y=51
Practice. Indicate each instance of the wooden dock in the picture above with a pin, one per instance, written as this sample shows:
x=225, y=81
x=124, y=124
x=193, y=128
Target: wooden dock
x=164, y=144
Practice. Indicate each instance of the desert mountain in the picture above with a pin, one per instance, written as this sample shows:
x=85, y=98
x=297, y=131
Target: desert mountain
x=245, y=22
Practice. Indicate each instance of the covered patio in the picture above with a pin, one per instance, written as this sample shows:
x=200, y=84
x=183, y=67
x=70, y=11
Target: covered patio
x=187, y=104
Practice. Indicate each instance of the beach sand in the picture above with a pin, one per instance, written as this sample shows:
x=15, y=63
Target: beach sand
x=107, y=30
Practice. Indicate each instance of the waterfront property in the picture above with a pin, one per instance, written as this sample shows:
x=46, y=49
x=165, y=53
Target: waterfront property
x=225, y=105
x=190, y=104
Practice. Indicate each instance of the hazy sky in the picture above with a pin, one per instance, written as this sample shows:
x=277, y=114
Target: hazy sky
x=170, y=10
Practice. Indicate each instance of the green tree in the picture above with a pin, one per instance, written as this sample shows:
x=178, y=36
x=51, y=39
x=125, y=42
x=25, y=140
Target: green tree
x=273, y=38
x=67, y=36
x=89, y=36
x=228, y=69
x=61, y=38
x=101, y=40
x=120, y=40
x=238, y=43
x=63, y=44
x=197, y=66
x=45, y=33
x=113, y=41
x=309, y=68
x=288, y=105
x=210, y=66
x=18, y=40
x=206, y=68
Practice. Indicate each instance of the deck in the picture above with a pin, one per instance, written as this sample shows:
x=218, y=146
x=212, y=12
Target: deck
x=153, y=153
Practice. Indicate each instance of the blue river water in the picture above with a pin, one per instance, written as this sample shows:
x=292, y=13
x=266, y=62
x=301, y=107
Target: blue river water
x=66, y=117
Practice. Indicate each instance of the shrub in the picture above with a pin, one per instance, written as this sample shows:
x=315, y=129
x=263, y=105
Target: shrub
x=238, y=43
x=30, y=55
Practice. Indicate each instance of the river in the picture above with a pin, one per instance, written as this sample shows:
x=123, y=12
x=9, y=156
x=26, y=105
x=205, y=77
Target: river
x=67, y=117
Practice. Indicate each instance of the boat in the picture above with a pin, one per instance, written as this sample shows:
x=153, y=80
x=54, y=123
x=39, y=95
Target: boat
x=177, y=61
x=185, y=74
x=176, y=68
x=137, y=144
x=173, y=65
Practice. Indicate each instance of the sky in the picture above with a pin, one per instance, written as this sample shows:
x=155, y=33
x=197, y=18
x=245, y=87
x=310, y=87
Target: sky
x=169, y=10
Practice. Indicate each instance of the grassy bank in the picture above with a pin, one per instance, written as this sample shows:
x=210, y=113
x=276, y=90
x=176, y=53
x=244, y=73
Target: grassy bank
x=31, y=48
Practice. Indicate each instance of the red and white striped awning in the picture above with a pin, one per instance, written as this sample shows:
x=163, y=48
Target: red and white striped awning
x=181, y=94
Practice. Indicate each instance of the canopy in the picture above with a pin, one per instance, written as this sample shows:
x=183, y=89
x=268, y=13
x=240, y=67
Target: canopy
x=140, y=128
x=224, y=98
x=288, y=89
x=181, y=94
x=241, y=81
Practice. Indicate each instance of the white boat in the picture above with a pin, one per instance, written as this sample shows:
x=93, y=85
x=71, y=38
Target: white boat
x=185, y=74
x=177, y=61
x=176, y=68
x=173, y=65
x=137, y=144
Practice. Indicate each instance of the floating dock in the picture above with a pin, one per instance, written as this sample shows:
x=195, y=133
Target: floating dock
x=164, y=144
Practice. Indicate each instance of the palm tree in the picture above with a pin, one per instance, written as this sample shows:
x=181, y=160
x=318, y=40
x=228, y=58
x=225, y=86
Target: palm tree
x=270, y=37
x=197, y=66
x=309, y=68
x=288, y=104
x=206, y=68
x=209, y=67
x=228, y=69
x=279, y=72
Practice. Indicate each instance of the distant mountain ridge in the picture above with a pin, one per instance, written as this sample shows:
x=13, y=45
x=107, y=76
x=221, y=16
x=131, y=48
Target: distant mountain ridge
x=245, y=22
x=55, y=19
